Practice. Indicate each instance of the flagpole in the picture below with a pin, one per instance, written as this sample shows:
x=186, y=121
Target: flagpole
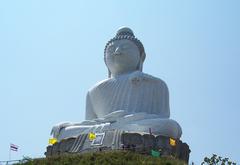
x=9, y=153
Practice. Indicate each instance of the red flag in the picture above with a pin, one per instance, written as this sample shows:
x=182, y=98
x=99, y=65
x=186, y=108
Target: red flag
x=13, y=147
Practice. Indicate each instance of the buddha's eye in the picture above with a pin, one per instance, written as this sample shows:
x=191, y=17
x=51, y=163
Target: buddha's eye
x=125, y=46
x=111, y=49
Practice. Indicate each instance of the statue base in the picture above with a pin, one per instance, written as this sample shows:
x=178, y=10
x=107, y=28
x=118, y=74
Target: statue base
x=120, y=140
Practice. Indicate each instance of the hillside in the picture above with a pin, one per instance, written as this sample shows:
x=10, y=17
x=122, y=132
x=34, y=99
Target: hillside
x=102, y=158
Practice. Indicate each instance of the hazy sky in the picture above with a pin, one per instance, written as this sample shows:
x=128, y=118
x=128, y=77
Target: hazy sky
x=51, y=53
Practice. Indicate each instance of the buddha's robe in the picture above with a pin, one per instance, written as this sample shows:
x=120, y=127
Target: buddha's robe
x=130, y=102
x=133, y=93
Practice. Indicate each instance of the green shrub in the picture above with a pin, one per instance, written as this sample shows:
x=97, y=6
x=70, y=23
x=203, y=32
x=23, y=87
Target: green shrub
x=217, y=160
x=105, y=158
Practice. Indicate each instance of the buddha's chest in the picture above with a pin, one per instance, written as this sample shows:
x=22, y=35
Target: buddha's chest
x=125, y=95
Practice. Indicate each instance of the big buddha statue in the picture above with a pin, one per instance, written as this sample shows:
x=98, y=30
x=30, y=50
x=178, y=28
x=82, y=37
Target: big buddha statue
x=128, y=100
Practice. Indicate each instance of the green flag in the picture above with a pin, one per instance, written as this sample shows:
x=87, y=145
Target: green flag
x=155, y=153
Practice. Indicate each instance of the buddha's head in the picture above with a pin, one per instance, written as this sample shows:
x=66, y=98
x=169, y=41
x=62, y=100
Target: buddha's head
x=124, y=53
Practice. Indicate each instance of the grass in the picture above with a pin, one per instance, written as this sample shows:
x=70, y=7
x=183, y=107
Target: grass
x=105, y=158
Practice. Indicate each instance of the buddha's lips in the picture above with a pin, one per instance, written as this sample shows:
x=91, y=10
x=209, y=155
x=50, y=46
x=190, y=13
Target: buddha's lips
x=117, y=54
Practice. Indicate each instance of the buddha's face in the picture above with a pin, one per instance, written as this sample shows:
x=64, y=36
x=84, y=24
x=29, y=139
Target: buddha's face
x=122, y=56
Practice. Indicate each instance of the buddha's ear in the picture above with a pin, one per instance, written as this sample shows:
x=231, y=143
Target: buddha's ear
x=140, y=65
x=109, y=74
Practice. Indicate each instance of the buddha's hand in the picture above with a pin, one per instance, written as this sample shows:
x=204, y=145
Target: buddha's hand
x=91, y=122
x=136, y=117
x=137, y=77
x=57, y=128
x=114, y=116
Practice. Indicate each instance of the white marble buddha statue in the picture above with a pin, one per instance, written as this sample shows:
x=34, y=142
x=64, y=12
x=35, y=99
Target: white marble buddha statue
x=128, y=99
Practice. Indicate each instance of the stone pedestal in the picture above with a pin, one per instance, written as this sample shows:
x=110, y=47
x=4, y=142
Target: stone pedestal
x=119, y=140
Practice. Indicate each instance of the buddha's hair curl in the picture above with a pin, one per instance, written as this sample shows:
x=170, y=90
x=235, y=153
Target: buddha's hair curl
x=126, y=33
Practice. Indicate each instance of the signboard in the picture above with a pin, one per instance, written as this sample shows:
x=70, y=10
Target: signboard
x=98, y=139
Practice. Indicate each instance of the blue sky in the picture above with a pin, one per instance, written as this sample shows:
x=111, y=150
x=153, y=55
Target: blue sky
x=51, y=53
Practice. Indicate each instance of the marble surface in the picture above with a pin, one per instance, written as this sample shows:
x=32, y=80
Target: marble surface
x=129, y=99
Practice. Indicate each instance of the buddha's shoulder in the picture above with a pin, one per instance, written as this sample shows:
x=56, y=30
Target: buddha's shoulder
x=101, y=84
x=133, y=78
x=140, y=76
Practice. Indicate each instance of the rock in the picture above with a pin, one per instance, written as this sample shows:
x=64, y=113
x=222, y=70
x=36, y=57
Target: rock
x=118, y=140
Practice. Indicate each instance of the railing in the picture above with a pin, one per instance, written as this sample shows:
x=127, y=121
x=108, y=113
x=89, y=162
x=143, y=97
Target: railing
x=10, y=162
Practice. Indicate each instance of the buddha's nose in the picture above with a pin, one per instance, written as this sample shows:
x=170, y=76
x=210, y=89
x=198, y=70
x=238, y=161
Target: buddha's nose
x=117, y=51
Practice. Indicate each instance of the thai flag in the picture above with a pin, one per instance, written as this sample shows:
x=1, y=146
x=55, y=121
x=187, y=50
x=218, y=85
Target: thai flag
x=13, y=147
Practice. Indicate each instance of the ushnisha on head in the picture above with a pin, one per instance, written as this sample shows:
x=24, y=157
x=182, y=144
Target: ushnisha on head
x=124, y=53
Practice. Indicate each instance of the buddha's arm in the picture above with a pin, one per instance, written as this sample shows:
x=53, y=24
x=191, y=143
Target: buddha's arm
x=164, y=109
x=89, y=114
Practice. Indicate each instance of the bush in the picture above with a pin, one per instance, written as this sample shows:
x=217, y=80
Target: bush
x=217, y=160
x=105, y=158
